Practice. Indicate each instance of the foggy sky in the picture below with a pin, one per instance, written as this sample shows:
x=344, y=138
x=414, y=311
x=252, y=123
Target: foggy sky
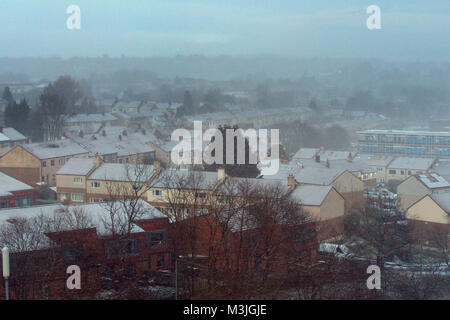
x=412, y=29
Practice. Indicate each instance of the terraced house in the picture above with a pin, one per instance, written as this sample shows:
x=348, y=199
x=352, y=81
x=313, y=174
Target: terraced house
x=37, y=163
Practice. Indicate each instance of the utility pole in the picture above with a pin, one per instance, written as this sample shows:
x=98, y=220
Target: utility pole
x=176, y=277
x=5, y=264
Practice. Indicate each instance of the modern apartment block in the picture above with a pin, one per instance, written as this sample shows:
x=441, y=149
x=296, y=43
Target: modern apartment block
x=417, y=143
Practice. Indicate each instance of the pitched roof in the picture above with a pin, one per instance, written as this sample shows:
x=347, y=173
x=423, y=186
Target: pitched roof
x=130, y=143
x=54, y=149
x=306, y=153
x=443, y=200
x=201, y=180
x=235, y=186
x=411, y=163
x=318, y=176
x=9, y=184
x=433, y=181
x=310, y=195
x=95, y=117
x=11, y=134
x=96, y=213
x=122, y=172
x=77, y=166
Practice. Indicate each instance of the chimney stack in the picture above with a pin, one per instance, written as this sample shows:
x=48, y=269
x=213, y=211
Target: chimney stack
x=327, y=164
x=291, y=180
x=349, y=157
x=97, y=160
x=317, y=157
x=220, y=173
x=156, y=165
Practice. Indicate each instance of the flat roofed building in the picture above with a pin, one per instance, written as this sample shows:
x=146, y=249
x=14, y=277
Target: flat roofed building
x=417, y=143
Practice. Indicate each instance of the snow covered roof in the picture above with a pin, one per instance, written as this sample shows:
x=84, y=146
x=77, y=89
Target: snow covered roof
x=443, y=200
x=9, y=184
x=433, y=181
x=375, y=160
x=77, y=166
x=310, y=195
x=336, y=249
x=96, y=213
x=334, y=155
x=54, y=149
x=201, y=180
x=306, y=153
x=11, y=134
x=233, y=186
x=94, y=117
x=122, y=172
x=411, y=163
x=318, y=176
x=107, y=141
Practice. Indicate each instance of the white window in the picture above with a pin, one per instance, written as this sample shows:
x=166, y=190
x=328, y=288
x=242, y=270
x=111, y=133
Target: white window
x=78, y=180
x=63, y=196
x=157, y=193
x=77, y=197
x=95, y=185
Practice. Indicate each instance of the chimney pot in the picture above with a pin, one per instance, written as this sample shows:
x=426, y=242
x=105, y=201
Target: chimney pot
x=220, y=173
x=291, y=180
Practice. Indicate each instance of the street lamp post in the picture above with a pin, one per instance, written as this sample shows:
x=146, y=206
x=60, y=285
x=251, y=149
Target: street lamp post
x=5, y=263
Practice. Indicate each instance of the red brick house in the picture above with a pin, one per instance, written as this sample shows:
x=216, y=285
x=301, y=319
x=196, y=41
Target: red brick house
x=104, y=257
x=14, y=193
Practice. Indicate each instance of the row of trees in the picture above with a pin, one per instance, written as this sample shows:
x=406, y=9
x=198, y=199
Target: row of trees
x=298, y=134
x=57, y=102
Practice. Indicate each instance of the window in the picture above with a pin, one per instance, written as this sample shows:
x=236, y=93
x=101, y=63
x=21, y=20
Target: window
x=157, y=193
x=156, y=239
x=392, y=172
x=77, y=197
x=409, y=172
x=44, y=163
x=52, y=162
x=24, y=201
x=121, y=248
x=200, y=195
x=78, y=180
x=160, y=262
x=95, y=185
x=4, y=203
x=61, y=161
x=402, y=172
x=63, y=196
x=379, y=169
